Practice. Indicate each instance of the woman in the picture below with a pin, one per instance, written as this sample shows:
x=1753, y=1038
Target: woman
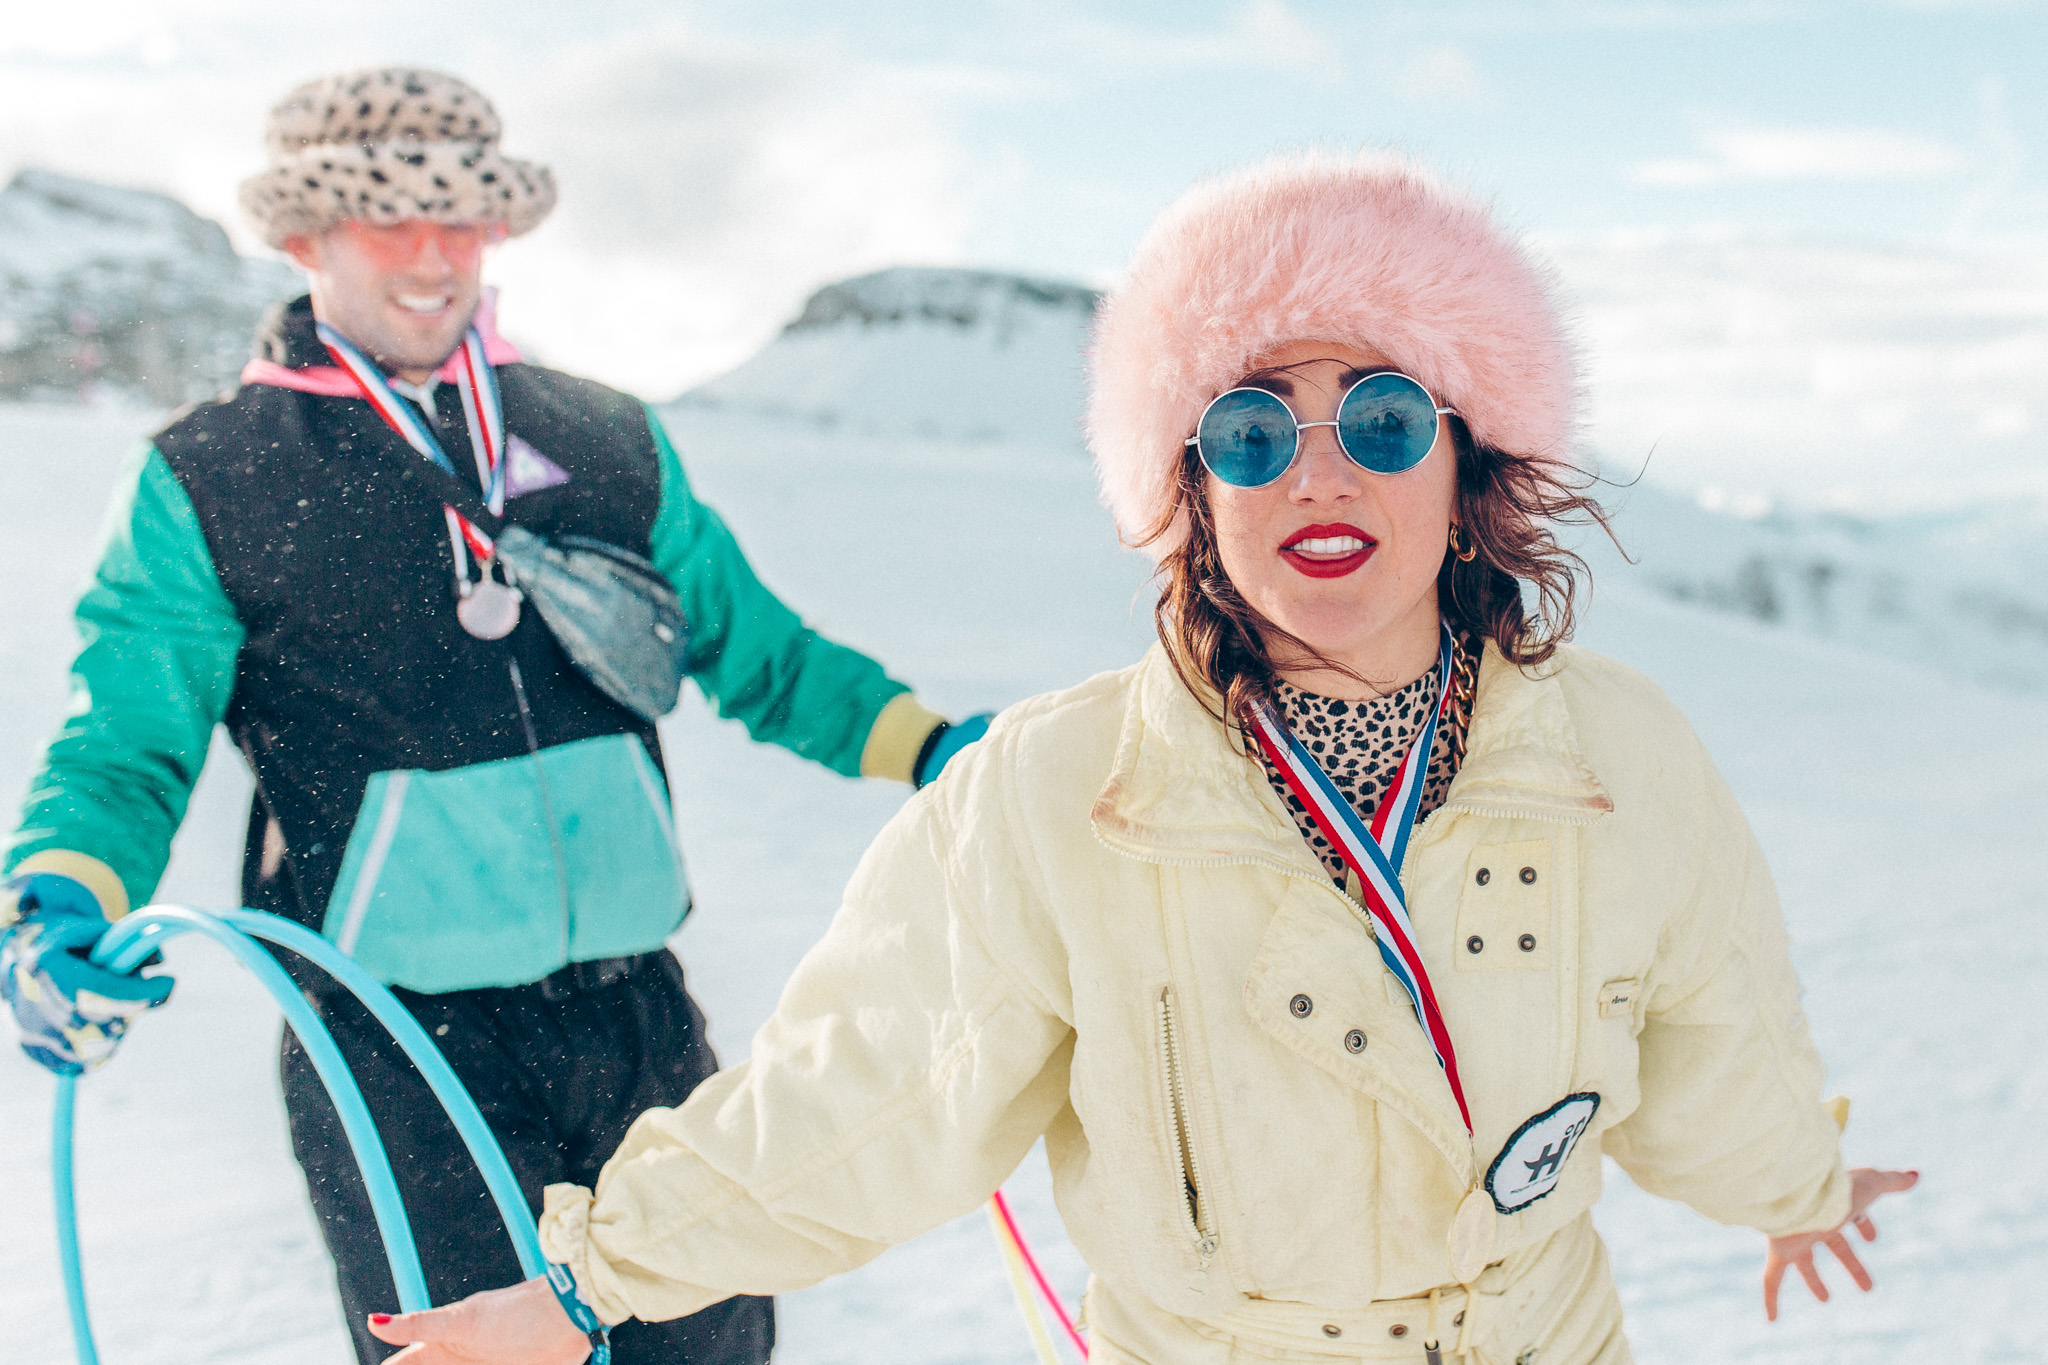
x=1311, y=1088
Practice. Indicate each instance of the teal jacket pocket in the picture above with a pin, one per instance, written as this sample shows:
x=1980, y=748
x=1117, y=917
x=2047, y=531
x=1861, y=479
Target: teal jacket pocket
x=498, y=873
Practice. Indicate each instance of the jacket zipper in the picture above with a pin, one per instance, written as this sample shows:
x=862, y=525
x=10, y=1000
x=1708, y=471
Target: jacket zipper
x=1183, y=1140
x=547, y=807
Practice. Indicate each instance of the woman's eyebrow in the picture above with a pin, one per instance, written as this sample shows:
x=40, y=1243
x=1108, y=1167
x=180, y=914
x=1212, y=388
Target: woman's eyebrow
x=1272, y=383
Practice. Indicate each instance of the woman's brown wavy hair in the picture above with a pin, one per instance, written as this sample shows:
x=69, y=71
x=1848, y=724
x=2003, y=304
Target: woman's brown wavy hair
x=1507, y=507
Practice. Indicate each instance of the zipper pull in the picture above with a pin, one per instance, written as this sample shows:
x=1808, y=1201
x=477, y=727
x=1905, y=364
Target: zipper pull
x=1207, y=1246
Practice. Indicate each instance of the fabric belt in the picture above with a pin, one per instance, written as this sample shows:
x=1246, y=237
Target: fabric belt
x=597, y=974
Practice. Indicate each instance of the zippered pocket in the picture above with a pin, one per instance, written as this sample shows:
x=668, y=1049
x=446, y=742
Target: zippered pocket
x=1180, y=1130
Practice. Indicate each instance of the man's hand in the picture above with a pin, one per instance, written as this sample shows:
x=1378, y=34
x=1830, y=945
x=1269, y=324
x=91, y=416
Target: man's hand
x=71, y=1011
x=946, y=741
x=1866, y=1186
x=523, y=1325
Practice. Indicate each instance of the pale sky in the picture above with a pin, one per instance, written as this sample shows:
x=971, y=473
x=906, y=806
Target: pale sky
x=1806, y=241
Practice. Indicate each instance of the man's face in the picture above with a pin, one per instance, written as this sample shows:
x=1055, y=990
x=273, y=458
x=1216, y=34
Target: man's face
x=405, y=293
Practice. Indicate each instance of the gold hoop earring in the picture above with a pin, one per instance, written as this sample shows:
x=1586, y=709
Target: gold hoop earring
x=1465, y=550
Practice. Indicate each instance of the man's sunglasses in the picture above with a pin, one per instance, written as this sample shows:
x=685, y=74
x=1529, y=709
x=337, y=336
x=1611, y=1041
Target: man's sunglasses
x=1386, y=423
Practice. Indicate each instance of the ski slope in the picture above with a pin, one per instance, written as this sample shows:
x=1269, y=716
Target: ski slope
x=1902, y=812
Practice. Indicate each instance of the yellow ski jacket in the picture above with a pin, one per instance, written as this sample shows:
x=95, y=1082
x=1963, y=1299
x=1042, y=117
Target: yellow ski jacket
x=1103, y=927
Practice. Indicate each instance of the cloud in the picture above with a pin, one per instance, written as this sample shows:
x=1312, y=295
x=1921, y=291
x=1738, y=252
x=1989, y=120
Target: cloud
x=1752, y=154
x=1443, y=73
x=1888, y=375
x=706, y=188
x=1256, y=34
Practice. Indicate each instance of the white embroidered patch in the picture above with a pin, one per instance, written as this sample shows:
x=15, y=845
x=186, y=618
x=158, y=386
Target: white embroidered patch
x=529, y=471
x=1532, y=1161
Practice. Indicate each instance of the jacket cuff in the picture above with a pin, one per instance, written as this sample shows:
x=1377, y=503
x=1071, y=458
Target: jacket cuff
x=565, y=1240
x=89, y=872
x=897, y=738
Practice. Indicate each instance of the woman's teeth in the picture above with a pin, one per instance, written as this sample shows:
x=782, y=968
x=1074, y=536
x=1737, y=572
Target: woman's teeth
x=423, y=303
x=1333, y=545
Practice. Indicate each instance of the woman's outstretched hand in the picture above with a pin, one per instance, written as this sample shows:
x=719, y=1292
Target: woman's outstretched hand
x=1866, y=1185
x=523, y=1325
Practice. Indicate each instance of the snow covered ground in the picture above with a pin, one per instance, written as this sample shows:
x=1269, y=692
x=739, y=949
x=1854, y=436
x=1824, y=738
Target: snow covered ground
x=1901, y=810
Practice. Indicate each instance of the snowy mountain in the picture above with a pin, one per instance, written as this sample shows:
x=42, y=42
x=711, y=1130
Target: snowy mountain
x=1957, y=590
x=965, y=355
x=109, y=289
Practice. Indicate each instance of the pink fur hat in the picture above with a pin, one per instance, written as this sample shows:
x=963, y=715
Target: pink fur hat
x=1365, y=250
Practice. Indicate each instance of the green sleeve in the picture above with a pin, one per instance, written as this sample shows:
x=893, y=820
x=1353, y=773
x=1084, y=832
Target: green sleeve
x=155, y=666
x=753, y=657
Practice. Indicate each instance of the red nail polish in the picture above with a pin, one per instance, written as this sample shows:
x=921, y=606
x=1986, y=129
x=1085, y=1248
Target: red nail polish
x=380, y=1318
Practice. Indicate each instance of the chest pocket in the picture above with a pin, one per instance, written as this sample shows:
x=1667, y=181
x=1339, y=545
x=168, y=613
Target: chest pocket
x=1507, y=910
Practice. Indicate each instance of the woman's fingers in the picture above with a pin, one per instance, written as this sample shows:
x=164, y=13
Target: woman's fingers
x=1846, y=1254
x=432, y=1324
x=1809, y=1272
x=1774, y=1275
x=1865, y=1228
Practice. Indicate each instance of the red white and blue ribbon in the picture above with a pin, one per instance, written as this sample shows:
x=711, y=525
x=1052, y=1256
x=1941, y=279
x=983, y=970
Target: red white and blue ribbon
x=477, y=384
x=1376, y=852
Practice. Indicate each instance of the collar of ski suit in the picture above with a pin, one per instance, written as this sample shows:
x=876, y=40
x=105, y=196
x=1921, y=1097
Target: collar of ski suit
x=300, y=362
x=1182, y=791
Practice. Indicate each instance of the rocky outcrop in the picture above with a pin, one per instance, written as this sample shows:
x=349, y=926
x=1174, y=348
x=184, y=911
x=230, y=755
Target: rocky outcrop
x=118, y=292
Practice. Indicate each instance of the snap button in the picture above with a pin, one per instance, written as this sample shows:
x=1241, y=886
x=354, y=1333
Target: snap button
x=1399, y=1329
x=1475, y=944
x=1528, y=942
x=1528, y=876
x=1302, y=1006
x=1331, y=1329
x=1485, y=876
x=1354, y=1041
x=1459, y=1321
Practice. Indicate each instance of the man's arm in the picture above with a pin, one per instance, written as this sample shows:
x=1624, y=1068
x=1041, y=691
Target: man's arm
x=758, y=662
x=155, y=667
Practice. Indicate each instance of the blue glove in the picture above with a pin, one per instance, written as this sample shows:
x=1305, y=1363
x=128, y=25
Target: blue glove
x=71, y=1011
x=947, y=740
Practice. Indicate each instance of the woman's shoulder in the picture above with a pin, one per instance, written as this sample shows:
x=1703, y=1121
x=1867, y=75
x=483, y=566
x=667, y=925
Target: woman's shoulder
x=1066, y=734
x=1592, y=680
x=1627, y=729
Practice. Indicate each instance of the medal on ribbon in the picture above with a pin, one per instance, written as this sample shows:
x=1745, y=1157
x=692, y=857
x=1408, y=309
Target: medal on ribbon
x=487, y=606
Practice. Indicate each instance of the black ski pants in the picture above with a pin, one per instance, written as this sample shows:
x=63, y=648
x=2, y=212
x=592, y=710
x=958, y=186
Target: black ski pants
x=559, y=1070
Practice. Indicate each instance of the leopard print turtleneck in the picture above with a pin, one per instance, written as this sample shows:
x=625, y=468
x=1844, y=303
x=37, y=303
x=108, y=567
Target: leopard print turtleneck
x=1361, y=744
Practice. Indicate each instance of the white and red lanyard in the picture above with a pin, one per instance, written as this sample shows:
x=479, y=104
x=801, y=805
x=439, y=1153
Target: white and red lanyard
x=1375, y=853
x=478, y=385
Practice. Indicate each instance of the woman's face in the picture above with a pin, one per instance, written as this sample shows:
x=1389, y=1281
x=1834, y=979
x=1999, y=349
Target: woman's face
x=1343, y=558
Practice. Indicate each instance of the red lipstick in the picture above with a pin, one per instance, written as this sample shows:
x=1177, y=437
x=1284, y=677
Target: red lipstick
x=1324, y=564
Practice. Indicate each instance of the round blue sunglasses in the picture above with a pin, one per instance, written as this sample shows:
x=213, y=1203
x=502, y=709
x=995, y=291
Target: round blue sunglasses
x=1386, y=423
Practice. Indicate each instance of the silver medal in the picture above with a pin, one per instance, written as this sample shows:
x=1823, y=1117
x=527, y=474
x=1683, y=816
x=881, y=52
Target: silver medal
x=489, y=609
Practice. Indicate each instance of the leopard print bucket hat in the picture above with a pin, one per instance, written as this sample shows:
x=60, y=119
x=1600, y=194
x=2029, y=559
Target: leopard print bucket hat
x=387, y=144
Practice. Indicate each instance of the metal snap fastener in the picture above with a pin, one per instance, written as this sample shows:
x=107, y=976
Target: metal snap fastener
x=1528, y=942
x=1459, y=1321
x=1528, y=876
x=1302, y=1006
x=1399, y=1329
x=1354, y=1041
x=1475, y=944
x=1331, y=1329
x=1485, y=876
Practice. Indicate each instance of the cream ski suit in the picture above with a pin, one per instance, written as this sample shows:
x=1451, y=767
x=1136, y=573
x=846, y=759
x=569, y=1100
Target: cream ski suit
x=1102, y=926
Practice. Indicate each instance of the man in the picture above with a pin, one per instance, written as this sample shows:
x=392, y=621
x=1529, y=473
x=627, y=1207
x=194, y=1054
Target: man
x=440, y=788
